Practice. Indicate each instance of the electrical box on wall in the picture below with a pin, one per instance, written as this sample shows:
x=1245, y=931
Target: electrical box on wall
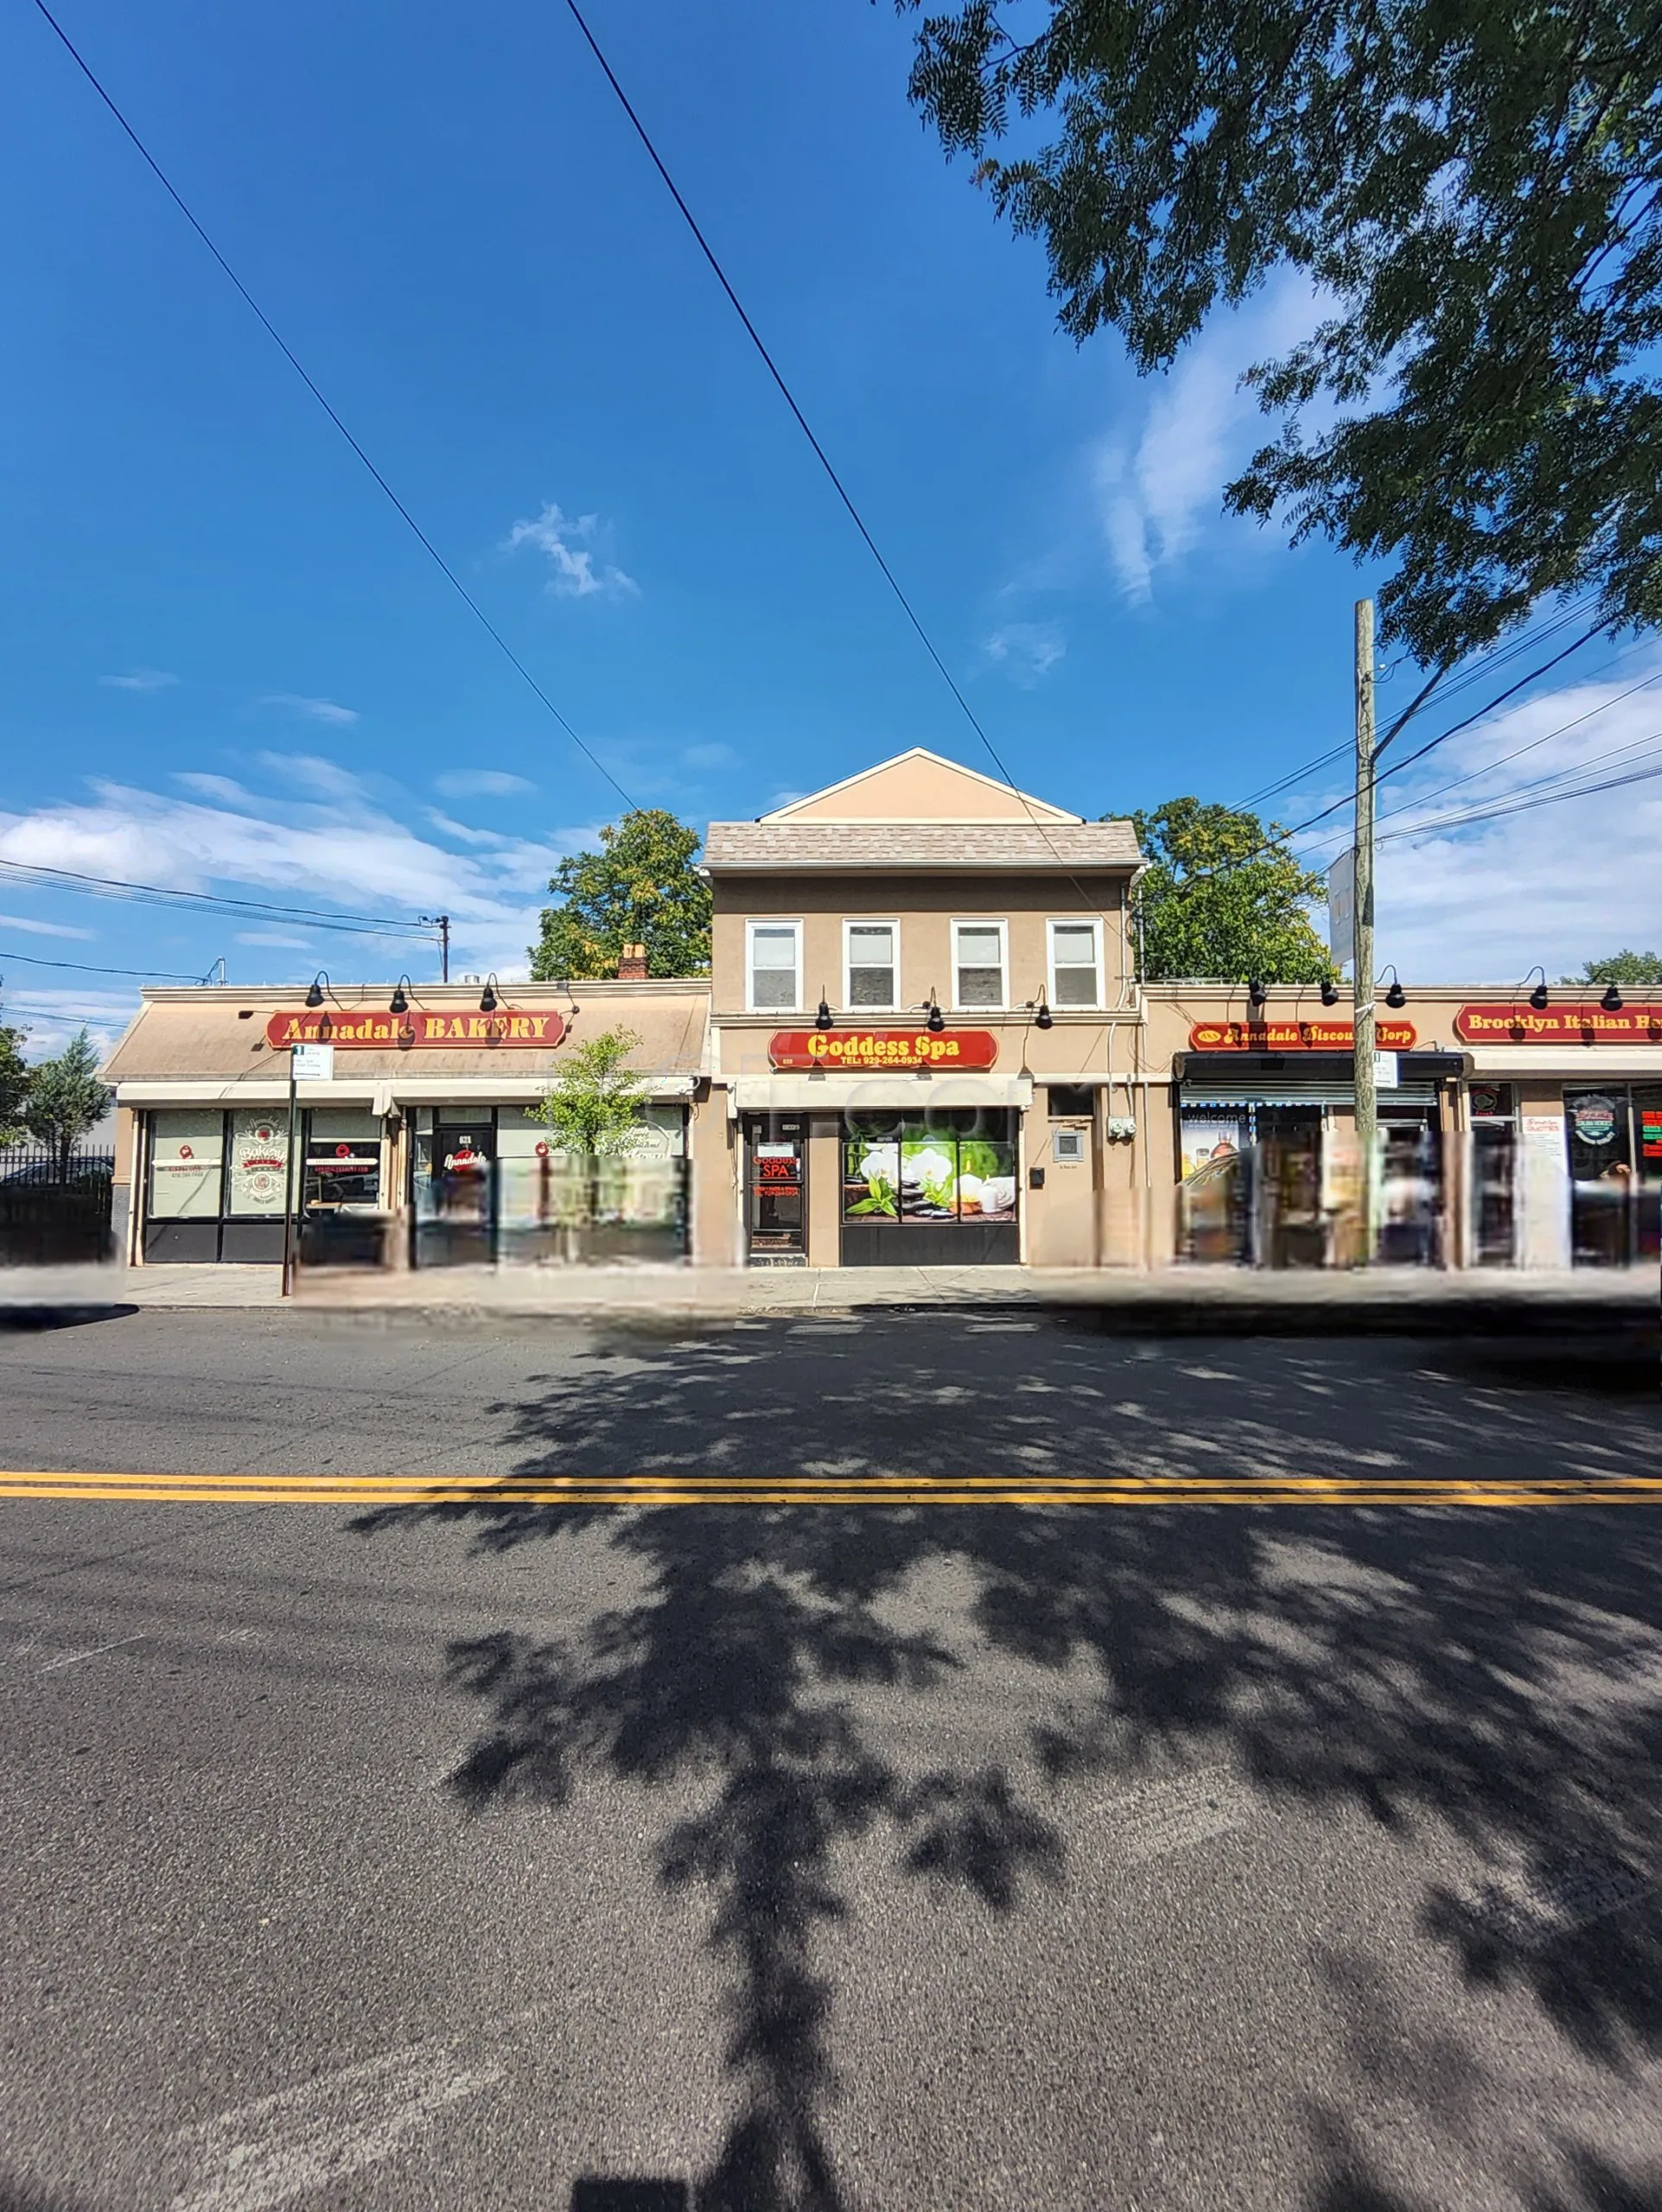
x=1067, y=1147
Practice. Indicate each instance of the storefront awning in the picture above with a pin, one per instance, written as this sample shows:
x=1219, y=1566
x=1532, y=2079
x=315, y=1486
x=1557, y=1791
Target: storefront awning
x=861, y=1094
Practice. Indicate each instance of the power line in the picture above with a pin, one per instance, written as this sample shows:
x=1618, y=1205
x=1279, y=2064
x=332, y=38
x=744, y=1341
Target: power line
x=1412, y=805
x=1525, y=805
x=284, y=347
x=113, y=886
x=86, y=968
x=1484, y=663
x=789, y=397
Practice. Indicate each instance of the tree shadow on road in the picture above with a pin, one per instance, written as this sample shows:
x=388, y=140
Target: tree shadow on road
x=1486, y=1677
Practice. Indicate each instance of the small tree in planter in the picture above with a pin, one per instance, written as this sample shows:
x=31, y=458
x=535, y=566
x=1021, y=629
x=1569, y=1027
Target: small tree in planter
x=593, y=1107
x=66, y=1099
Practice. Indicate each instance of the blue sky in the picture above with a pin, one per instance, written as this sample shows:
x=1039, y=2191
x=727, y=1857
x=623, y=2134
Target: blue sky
x=230, y=668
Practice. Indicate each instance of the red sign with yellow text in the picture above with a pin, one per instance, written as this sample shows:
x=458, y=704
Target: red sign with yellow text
x=1296, y=1036
x=1511, y=1023
x=361, y=1030
x=869, y=1052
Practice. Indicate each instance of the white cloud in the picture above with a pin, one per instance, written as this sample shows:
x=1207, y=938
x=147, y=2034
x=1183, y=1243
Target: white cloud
x=1026, y=651
x=481, y=783
x=449, y=827
x=274, y=937
x=566, y=540
x=1159, y=482
x=43, y=928
x=323, y=778
x=49, y=1017
x=1558, y=884
x=351, y=855
x=139, y=679
x=206, y=787
x=319, y=710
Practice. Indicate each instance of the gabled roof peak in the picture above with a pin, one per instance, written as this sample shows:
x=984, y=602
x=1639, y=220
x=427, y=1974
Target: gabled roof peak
x=919, y=785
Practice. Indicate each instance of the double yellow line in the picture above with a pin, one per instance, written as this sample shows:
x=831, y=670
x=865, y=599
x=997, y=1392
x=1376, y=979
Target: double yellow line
x=656, y=1490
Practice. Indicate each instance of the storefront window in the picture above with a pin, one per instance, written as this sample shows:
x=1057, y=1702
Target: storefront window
x=950, y=1168
x=186, y=1151
x=342, y=1158
x=259, y=1162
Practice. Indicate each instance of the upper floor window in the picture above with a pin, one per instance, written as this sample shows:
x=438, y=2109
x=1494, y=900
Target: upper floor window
x=1075, y=964
x=977, y=963
x=871, y=963
x=774, y=964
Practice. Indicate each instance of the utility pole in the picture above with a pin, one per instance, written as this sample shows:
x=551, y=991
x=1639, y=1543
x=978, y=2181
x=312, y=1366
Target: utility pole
x=442, y=923
x=1367, y=1104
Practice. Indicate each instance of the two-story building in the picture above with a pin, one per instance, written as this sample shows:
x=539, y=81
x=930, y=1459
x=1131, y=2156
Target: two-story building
x=923, y=1009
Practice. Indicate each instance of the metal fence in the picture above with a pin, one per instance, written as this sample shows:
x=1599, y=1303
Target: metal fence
x=53, y=1211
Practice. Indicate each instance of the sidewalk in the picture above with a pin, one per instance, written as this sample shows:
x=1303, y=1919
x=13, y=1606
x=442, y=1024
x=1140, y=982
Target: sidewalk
x=1397, y=1300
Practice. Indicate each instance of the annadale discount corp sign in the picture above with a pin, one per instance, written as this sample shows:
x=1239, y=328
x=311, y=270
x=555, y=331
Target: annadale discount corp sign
x=384, y=1031
x=1296, y=1036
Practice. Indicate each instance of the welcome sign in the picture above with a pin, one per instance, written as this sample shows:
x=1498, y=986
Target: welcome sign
x=361, y=1031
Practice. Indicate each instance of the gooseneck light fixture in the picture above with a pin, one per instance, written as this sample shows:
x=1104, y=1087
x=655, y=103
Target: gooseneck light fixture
x=822, y=1019
x=1538, y=997
x=315, y=996
x=1044, y=1019
x=1611, y=1003
x=1395, y=996
x=1257, y=993
x=1329, y=991
x=487, y=996
x=937, y=1020
x=399, y=1002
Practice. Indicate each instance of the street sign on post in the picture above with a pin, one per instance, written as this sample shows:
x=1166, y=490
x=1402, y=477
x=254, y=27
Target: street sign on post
x=1385, y=1071
x=312, y=1063
x=1342, y=907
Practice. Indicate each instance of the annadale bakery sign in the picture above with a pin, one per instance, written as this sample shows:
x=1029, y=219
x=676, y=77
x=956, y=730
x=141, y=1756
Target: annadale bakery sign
x=1505, y=1023
x=1296, y=1036
x=863, y=1051
x=384, y=1032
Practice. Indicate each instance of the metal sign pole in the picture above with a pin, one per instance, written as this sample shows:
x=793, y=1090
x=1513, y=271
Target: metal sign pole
x=289, y=1181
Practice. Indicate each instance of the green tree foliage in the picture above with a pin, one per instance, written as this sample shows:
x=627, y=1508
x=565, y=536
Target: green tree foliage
x=14, y=1083
x=1216, y=904
x=641, y=887
x=1623, y=967
x=593, y=1104
x=66, y=1099
x=1470, y=188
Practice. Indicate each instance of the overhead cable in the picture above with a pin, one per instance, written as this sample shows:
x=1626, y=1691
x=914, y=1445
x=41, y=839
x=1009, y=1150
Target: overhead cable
x=293, y=359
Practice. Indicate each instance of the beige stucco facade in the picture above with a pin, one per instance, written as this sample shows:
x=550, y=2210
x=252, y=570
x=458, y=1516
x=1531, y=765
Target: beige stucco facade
x=923, y=1041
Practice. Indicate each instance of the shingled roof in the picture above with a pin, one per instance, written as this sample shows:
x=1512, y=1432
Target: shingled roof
x=750, y=848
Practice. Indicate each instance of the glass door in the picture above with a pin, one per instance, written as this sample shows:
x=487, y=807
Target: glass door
x=454, y=1169
x=1597, y=1128
x=776, y=1216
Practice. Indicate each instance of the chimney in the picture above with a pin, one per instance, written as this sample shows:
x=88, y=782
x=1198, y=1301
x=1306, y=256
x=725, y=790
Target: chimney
x=632, y=964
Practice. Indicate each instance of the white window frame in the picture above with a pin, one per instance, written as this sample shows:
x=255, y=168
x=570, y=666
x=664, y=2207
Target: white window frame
x=981, y=922
x=770, y=922
x=1092, y=922
x=851, y=923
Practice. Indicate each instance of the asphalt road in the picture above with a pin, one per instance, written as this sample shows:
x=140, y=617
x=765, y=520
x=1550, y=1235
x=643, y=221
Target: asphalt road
x=887, y=1854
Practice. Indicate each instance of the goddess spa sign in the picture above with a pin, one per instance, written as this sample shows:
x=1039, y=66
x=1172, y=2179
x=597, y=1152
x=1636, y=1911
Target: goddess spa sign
x=871, y=1051
x=365, y=1032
